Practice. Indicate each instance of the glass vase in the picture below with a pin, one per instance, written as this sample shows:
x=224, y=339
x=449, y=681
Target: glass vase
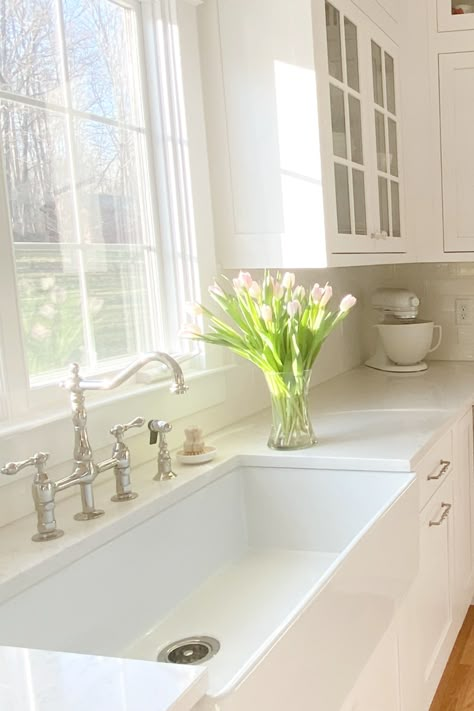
x=291, y=423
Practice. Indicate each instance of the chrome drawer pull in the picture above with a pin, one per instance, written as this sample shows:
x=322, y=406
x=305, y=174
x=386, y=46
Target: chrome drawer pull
x=444, y=515
x=444, y=468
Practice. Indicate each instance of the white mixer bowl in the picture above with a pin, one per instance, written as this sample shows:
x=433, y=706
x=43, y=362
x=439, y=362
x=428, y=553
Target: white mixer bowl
x=408, y=343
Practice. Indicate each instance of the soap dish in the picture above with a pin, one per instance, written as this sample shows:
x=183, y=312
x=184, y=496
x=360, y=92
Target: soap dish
x=206, y=456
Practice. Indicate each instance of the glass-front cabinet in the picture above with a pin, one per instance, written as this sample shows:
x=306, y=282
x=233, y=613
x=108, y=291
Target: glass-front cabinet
x=455, y=15
x=364, y=107
x=302, y=114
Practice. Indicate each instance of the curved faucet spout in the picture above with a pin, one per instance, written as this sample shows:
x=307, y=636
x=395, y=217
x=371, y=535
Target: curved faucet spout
x=75, y=383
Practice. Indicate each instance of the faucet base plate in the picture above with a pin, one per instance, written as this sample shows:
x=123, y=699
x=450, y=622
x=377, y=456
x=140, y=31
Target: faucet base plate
x=124, y=497
x=48, y=536
x=88, y=515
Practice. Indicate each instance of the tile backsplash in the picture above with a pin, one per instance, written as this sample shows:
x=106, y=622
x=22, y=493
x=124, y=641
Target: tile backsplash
x=439, y=287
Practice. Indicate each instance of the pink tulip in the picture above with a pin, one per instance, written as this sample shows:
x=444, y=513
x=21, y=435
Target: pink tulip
x=190, y=330
x=216, y=290
x=327, y=293
x=266, y=313
x=255, y=290
x=193, y=308
x=288, y=280
x=299, y=293
x=278, y=290
x=347, y=303
x=293, y=308
x=316, y=293
x=245, y=280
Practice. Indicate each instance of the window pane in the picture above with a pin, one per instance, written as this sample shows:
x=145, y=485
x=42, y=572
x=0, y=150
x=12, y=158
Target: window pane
x=352, y=58
x=342, y=199
x=37, y=173
x=29, y=49
x=356, y=130
x=383, y=206
x=390, y=83
x=118, y=300
x=333, y=34
x=377, y=74
x=110, y=199
x=392, y=146
x=380, y=140
x=395, y=209
x=50, y=304
x=338, y=120
x=102, y=58
x=359, y=202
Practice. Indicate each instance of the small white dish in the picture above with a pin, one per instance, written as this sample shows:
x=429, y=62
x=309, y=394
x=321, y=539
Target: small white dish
x=208, y=454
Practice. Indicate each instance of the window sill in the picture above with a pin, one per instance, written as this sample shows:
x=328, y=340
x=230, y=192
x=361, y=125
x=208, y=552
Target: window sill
x=134, y=397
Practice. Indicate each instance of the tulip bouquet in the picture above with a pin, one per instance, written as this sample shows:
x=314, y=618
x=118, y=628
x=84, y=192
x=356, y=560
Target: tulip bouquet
x=280, y=327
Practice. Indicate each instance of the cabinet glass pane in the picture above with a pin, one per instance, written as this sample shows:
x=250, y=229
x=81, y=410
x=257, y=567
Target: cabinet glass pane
x=377, y=73
x=342, y=199
x=333, y=34
x=338, y=122
x=392, y=147
x=380, y=139
x=390, y=83
x=395, y=209
x=358, y=185
x=355, y=123
x=352, y=55
x=383, y=205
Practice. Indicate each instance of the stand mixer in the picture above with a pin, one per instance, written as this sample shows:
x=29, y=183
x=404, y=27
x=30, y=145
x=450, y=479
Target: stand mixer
x=403, y=340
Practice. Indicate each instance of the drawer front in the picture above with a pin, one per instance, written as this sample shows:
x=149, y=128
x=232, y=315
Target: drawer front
x=435, y=467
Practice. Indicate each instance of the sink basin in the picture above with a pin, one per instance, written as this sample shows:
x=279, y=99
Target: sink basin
x=296, y=572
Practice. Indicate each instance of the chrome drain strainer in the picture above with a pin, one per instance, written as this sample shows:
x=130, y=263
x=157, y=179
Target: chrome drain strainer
x=192, y=650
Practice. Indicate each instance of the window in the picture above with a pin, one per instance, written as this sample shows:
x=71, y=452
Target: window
x=93, y=248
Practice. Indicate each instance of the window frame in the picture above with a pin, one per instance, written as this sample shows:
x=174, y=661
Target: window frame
x=164, y=153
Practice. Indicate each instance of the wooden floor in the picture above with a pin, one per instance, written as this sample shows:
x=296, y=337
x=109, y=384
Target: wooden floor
x=456, y=689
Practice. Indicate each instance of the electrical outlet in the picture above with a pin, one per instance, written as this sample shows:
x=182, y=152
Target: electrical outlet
x=464, y=312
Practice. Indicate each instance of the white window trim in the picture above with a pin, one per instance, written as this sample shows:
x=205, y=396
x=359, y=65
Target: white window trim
x=21, y=400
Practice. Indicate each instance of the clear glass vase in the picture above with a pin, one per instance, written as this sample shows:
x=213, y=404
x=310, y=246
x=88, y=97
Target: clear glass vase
x=291, y=423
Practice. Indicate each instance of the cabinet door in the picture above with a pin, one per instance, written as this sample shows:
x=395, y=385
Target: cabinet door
x=426, y=616
x=457, y=146
x=463, y=561
x=348, y=146
x=267, y=186
x=385, y=124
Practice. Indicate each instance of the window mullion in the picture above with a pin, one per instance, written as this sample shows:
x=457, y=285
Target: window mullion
x=12, y=350
x=89, y=342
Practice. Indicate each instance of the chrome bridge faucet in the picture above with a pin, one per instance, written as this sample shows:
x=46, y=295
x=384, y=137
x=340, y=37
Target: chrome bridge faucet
x=85, y=469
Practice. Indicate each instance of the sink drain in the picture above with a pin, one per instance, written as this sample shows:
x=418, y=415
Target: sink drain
x=192, y=650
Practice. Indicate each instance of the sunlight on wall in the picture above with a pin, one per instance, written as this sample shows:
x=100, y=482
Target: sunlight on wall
x=301, y=184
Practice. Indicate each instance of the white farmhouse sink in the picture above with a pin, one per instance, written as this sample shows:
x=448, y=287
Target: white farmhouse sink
x=295, y=571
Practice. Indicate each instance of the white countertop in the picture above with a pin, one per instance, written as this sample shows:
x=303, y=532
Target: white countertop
x=35, y=680
x=364, y=420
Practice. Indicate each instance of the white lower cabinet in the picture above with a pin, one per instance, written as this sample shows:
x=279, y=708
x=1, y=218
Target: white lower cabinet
x=426, y=618
x=405, y=669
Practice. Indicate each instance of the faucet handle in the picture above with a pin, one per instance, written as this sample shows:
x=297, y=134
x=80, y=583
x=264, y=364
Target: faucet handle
x=119, y=430
x=38, y=460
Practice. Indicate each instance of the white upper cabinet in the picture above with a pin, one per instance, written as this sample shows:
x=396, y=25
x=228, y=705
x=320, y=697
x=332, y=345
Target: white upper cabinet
x=447, y=21
x=457, y=145
x=304, y=133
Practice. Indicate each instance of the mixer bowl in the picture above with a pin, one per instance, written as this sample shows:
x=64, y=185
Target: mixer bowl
x=409, y=342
